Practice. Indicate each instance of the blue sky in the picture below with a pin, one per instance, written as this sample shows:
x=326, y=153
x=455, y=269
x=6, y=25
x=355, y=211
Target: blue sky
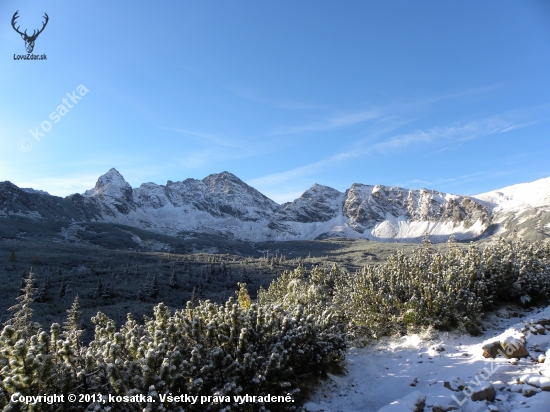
x=452, y=96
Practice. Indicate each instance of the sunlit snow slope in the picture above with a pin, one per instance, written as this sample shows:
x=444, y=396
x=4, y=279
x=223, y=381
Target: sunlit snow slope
x=522, y=208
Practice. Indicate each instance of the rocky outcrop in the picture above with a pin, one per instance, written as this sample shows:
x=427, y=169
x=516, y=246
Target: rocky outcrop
x=113, y=193
x=455, y=384
x=16, y=202
x=510, y=347
x=368, y=205
x=485, y=392
x=317, y=204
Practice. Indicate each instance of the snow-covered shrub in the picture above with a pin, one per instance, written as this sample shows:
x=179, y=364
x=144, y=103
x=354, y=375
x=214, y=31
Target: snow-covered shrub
x=240, y=348
x=446, y=290
x=213, y=349
x=314, y=289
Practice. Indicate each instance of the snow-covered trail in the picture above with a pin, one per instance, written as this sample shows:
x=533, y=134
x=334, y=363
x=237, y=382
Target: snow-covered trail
x=396, y=367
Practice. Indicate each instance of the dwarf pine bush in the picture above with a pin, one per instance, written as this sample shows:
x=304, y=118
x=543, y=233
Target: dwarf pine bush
x=208, y=349
x=313, y=290
x=443, y=289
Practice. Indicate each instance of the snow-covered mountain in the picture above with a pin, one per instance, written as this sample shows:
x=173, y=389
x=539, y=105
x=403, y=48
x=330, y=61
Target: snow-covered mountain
x=380, y=213
x=225, y=205
x=220, y=203
x=518, y=197
x=524, y=208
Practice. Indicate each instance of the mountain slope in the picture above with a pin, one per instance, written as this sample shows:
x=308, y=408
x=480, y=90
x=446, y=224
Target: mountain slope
x=222, y=204
x=380, y=213
x=396, y=213
x=39, y=205
x=523, y=209
x=518, y=197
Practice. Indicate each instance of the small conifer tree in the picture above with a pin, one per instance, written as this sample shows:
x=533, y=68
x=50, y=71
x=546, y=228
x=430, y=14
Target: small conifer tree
x=426, y=239
x=12, y=260
x=141, y=293
x=63, y=287
x=23, y=282
x=174, y=281
x=71, y=327
x=243, y=298
x=194, y=297
x=22, y=311
x=99, y=289
x=42, y=294
x=154, y=289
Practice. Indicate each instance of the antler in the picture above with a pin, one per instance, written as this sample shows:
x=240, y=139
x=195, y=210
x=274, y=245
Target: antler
x=43, y=25
x=15, y=16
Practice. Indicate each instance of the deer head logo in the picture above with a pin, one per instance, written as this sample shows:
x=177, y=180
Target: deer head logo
x=29, y=40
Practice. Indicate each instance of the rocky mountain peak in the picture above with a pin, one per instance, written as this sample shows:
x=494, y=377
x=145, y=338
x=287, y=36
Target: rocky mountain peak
x=109, y=183
x=10, y=193
x=231, y=187
x=31, y=190
x=224, y=182
x=111, y=188
x=317, y=204
x=320, y=190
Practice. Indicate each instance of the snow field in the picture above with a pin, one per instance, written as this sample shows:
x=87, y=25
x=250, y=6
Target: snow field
x=387, y=372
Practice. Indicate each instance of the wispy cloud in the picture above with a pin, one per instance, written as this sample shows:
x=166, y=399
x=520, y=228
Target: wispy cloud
x=193, y=159
x=521, y=125
x=276, y=179
x=416, y=183
x=217, y=148
x=458, y=132
x=392, y=111
x=212, y=138
x=455, y=133
x=460, y=181
x=334, y=122
x=199, y=158
x=454, y=96
x=286, y=104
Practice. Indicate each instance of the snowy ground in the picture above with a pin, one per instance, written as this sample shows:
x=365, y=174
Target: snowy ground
x=380, y=375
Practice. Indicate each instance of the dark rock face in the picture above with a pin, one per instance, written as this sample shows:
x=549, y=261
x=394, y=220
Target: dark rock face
x=468, y=211
x=220, y=195
x=317, y=204
x=229, y=195
x=15, y=201
x=368, y=205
